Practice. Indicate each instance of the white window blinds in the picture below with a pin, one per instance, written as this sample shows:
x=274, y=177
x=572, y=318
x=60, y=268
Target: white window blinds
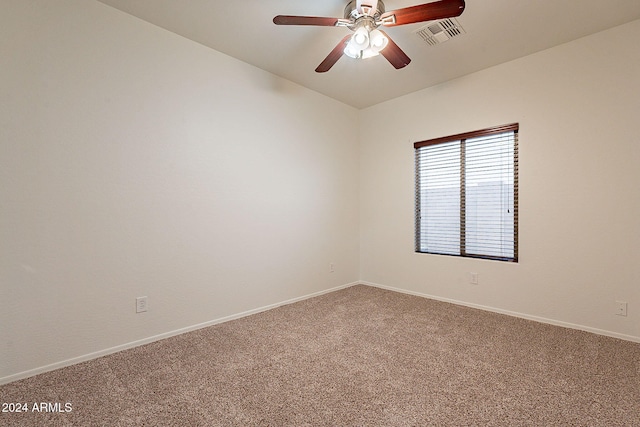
x=467, y=194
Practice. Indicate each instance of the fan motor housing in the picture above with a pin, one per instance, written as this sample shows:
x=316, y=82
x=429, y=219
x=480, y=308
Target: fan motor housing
x=351, y=11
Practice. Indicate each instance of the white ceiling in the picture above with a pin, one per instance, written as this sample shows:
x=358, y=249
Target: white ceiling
x=496, y=31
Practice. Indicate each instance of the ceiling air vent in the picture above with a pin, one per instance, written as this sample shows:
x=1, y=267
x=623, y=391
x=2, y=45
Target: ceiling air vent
x=440, y=31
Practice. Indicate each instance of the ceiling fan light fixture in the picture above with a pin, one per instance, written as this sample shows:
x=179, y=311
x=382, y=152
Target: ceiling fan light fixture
x=360, y=38
x=355, y=53
x=365, y=42
x=352, y=51
x=378, y=40
x=369, y=53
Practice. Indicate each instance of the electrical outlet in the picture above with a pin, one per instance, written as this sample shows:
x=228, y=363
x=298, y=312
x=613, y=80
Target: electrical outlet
x=332, y=268
x=141, y=304
x=621, y=308
x=474, y=278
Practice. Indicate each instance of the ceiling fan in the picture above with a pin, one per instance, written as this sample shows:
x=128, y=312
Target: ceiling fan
x=363, y=17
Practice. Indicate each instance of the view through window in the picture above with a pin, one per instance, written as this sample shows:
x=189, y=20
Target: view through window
x=467, y=194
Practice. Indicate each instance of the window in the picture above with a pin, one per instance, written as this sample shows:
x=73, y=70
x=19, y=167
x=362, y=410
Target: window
x=467, y=194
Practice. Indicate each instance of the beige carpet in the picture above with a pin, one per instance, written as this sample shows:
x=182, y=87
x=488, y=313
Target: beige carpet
x=356, y=357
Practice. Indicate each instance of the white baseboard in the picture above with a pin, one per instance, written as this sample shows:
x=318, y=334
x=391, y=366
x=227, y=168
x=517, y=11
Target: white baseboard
x=137, y=343
x=510, y=313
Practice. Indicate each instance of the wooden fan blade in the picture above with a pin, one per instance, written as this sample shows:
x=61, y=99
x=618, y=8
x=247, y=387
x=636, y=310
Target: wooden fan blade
x=306, y=20
x=394, y=54
x=333, y=56
x=424, y=12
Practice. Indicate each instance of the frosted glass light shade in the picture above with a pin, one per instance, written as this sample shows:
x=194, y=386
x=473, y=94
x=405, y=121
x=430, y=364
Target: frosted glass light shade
x=351, y=50
x=361, y=38
x=378, y=40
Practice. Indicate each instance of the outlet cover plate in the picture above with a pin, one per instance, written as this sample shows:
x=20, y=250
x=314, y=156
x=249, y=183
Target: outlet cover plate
x=141, y=304
x=621, y=308
x=473, y=278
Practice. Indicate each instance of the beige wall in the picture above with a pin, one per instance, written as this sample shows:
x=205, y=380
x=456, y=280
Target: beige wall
x=578, y=106
x=135, y=162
